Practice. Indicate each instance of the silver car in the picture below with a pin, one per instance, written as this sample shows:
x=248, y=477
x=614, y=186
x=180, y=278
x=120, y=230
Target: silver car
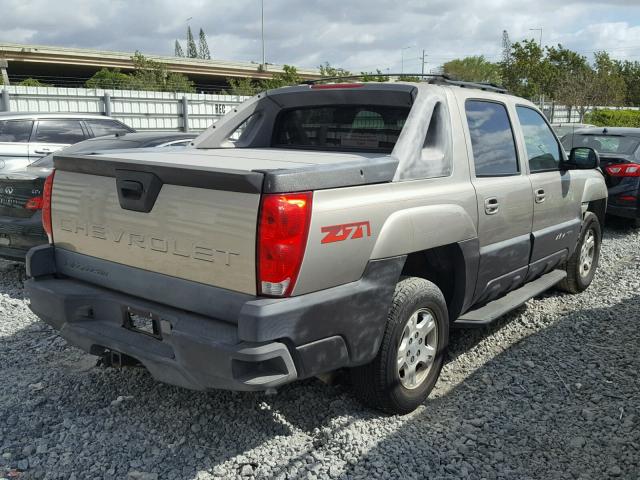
x=26, y=137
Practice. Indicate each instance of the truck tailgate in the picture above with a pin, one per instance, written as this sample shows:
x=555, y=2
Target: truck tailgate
x=201, y=234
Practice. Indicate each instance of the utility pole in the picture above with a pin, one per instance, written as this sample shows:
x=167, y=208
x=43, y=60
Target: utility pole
x=264, y=63
x=424, y=56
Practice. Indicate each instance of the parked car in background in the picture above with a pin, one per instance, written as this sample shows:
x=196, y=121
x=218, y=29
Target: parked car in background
x=21, y=191
x=562, y=129
x=25, y=137
x=620, y=160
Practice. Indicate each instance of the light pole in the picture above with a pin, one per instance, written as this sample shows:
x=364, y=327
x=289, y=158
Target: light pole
x=264, y=63
x=402, y=57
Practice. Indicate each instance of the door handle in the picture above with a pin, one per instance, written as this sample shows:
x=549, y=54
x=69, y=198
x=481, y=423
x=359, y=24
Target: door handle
x=43, y=151
x=540, y=196
x=491, y=205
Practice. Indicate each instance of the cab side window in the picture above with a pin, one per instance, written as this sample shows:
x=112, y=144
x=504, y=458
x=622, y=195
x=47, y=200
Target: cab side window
x=492, y=141
x=543, y=150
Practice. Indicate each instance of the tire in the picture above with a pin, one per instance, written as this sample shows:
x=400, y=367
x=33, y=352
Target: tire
x=578, y=279
x=383, y=384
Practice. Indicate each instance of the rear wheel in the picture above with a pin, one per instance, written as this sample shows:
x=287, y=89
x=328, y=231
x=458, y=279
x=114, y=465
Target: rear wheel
x=410, y=358
x=581, y=266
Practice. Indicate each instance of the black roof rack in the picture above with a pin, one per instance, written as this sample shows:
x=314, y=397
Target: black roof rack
x=433, y=78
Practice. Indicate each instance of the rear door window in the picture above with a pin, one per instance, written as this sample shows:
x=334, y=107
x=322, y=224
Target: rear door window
x=366, y=128
x=17, y=131
x=59, y=131
x=492, y=141
x=106, y=127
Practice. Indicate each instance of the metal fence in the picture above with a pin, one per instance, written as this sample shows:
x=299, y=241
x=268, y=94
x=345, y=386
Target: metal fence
x=562, y=114
x=139, y=109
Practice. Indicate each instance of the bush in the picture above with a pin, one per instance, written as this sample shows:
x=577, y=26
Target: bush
x=614, y=118
x=32, y=82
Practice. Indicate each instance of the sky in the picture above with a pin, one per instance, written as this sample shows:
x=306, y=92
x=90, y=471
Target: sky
x=359, y=35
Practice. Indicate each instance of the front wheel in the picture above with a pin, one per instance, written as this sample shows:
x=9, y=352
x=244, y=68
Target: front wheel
x=412, y=351
x=581, y=266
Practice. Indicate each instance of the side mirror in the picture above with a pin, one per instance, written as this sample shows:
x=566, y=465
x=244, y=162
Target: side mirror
x=582, y=158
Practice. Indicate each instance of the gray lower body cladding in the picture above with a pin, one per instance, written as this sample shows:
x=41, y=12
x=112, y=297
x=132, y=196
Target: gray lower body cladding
x=242, y=343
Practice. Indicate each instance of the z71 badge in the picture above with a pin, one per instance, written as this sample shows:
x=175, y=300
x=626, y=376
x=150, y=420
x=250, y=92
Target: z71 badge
x=346, y=231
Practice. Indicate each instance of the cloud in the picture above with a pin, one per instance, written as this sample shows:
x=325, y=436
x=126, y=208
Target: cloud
x=358, y=35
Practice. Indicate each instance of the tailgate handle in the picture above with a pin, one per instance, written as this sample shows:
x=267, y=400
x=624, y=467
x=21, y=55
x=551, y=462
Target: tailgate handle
x=137, y=191
x=131, y=189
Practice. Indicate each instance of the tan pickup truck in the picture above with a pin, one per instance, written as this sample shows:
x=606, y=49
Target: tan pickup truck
x=316, y=228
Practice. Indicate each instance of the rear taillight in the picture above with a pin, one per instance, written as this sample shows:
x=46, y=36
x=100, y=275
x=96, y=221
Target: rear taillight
x=623, y=170
x=34, y=203
x=282, y=237
x=46, y=206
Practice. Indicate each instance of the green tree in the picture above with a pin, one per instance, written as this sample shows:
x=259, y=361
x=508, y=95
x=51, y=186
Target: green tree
x=527, y=73
x=609, y=84
x=203, y=48
x=561, y=63
x=630, y=72
x=33, y=82
x=576, y=90
x=177, y=49
x=106, y=78
x=326, y=70
x=473, y=69
x=152, y=75
x=192, y=50
x=288, y=76
x=242, y=87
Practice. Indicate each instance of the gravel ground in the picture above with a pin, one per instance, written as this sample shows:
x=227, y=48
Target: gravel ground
x=550, y=391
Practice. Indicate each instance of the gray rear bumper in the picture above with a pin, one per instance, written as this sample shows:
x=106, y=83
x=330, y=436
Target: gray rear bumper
x=241, y=343
x=193, y=351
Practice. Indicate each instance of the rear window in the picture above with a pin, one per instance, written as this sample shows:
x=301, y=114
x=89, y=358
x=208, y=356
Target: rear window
x=342, y=127
x=106, y=127
x=603, y=143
